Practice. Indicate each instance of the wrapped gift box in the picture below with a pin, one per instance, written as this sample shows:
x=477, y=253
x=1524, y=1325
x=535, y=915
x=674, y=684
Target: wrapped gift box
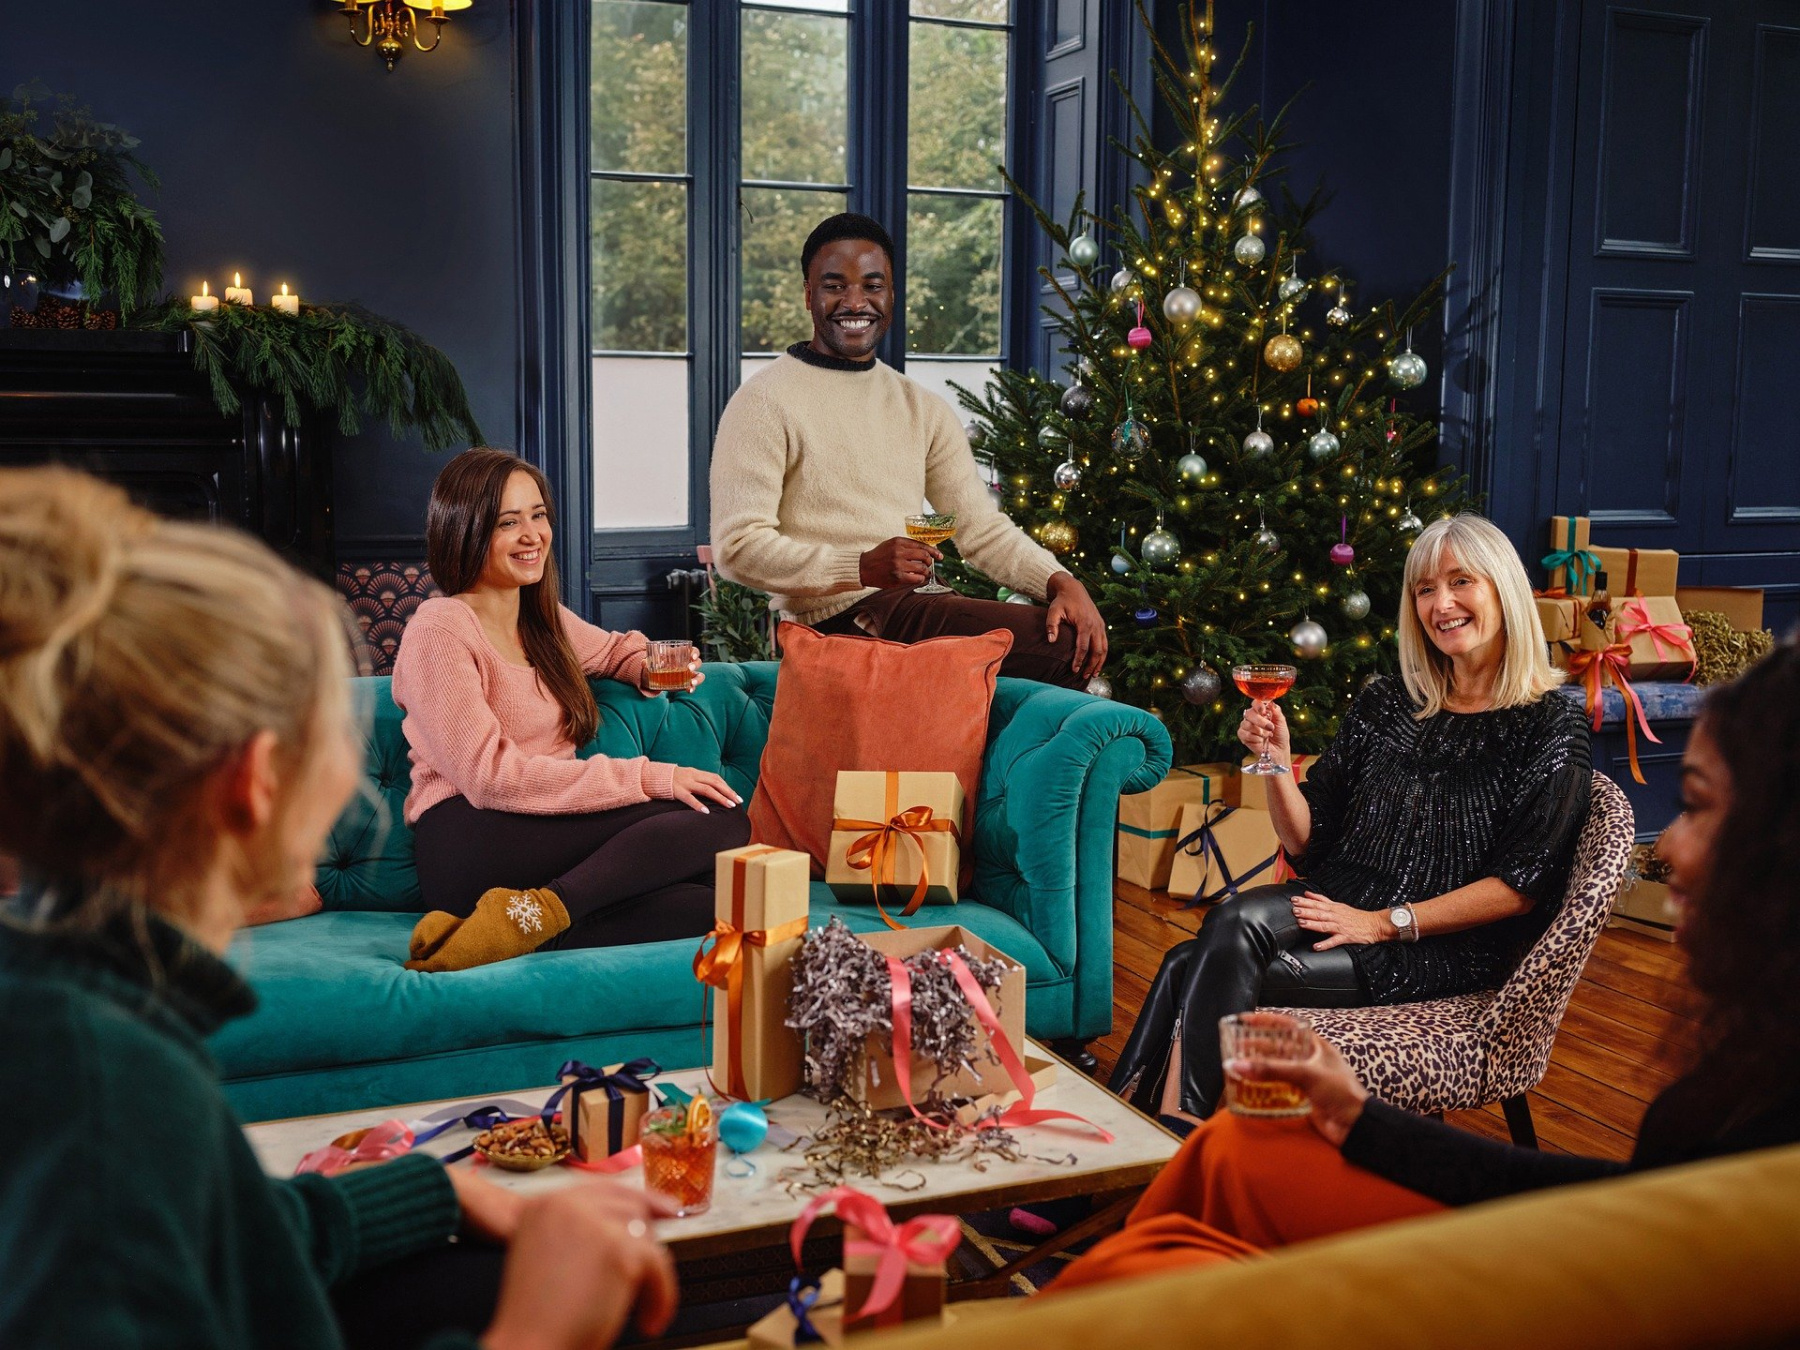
x=1561, y=617
x=1253, y=788
x=1246, y=840
x=1147, y=820
x=780, y=1330
x=1569, y=535
x=1639, y=571
x=921, y=1295
x=761, y=892
x=901, y=823
x=875, y=1086
x=1742, y=606
x=1665, y=654
x=1643, y=906
x=590, y=1109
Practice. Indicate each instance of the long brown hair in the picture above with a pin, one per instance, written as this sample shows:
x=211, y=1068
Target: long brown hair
x=459, y=527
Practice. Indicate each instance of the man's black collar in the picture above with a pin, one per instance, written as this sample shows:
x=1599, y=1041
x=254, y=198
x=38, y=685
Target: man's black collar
x=800, y=351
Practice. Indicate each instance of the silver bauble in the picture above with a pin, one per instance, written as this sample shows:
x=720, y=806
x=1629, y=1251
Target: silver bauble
x=1201, y=685
x=1066, y=475
x=1292, y=287
x=1160, y=547
x=1017, y=599
x=1191, y=467
x=1247, y=198
x=1309, y=639
x=1408, y=370
x=1100, y=687
x=1355, y=605
x=1259, y=443
x=1083, y=251
x=1411, y=523
x=1122, y=279
x=976, y=433
x=1181, y=304
x=1322, y=445
x=1248, y=250
x=1130, y=442
x=1077, y=401
x=1337, y=316
x=1267, y=540
x=1050, y=436
x=1121, y=564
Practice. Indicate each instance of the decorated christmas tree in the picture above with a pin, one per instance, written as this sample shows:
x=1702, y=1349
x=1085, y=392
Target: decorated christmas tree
x=1232, y=469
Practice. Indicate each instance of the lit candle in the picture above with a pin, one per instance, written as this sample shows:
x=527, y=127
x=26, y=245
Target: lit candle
x=203, y=302
x=237, y=293
x=287, y=304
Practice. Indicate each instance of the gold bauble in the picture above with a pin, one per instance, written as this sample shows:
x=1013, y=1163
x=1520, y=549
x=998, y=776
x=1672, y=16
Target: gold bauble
x=1283, y=352
x=1059, y=536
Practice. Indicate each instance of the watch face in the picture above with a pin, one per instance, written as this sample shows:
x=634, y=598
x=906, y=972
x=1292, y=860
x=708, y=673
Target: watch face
x=1402, y=918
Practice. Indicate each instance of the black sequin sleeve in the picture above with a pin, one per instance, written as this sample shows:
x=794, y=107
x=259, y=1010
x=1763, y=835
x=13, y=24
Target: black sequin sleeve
x=1331, y=782
x=1537, y=841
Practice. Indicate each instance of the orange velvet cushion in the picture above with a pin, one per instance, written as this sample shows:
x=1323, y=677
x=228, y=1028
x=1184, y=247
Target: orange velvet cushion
x=861, y=703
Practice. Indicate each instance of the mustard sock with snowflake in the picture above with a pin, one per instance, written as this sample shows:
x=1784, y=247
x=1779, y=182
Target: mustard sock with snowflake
x=506, y=923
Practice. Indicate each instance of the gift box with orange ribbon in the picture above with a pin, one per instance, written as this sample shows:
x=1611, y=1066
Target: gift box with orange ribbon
x=1591, y=670
x=1661, y=645
x=760, y=917
x=895, y=840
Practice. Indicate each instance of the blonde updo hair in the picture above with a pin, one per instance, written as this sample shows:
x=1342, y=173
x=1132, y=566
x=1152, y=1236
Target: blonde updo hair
x=1526, y=674
x=137, y=655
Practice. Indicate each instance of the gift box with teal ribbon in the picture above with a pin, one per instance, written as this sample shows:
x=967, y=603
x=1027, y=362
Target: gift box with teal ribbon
x=1147, y=820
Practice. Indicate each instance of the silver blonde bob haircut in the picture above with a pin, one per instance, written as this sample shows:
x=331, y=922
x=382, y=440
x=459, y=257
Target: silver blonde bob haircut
x=1526, y=674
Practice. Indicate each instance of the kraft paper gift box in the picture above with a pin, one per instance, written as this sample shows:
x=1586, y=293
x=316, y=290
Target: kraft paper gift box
x=1565, y=541
x=900, y=823
x=1561, y=617
x=1667, y=654
x=1253, y=790
x=1644, y=907
x=780, y=1330
x=1742, y=606
x=874, y=1085
x=589, y=1110
x=1246, y=839
x=1147, y=819
x=762, y=893
x=1639, y=571
x=921, y=1295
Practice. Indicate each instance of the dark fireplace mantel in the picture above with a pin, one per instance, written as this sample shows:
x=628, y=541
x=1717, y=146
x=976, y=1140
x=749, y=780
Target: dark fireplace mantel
x=130, y=407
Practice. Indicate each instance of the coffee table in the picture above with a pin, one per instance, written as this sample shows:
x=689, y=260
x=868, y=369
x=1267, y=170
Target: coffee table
x=753, y=1214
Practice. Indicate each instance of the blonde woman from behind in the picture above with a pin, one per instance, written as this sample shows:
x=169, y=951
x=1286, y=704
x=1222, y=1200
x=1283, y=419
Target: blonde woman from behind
x=166, y=763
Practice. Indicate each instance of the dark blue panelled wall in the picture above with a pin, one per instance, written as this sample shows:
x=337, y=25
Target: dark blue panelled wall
x=288, y=154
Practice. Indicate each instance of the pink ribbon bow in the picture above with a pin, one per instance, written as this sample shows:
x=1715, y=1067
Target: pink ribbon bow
x=926, y=1240
x=1677, y=634
x=387, y=1140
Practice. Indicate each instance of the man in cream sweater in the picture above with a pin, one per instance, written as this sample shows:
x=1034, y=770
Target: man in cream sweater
x=822, y=456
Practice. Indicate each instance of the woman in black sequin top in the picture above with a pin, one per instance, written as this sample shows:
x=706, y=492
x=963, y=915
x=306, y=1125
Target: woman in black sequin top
x=1434, y=835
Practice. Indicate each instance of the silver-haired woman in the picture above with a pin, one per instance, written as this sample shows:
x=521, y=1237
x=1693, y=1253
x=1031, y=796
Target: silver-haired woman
x=1432, y=838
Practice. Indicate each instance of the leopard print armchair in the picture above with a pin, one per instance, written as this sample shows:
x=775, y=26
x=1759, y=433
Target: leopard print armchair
x=1454, y=1053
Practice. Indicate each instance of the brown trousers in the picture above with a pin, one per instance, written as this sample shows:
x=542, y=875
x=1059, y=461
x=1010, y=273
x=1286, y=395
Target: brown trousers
x=901, y=615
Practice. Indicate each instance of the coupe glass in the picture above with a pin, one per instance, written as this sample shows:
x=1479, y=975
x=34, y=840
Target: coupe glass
x=932, y=528
x=1264, y=684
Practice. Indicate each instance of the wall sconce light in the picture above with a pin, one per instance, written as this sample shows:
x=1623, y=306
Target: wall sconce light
x=389, y=24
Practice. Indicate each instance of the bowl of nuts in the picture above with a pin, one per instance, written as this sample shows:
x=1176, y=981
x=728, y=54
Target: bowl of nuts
x=523, y=1145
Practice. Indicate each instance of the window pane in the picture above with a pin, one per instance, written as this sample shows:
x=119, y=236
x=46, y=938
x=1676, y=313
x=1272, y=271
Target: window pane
x=952, y=288
x=937, y=376
x=985, y=11
x=835, y=6
x=795, y=97
x=638, y=96
x=956, y=132
x=775, y=223
x=639, y=241
x=640, y=442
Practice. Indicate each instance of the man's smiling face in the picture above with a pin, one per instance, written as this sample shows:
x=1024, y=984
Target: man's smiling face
x=850, y=291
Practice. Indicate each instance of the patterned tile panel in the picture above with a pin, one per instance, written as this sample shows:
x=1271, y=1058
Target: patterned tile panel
x=383, y=596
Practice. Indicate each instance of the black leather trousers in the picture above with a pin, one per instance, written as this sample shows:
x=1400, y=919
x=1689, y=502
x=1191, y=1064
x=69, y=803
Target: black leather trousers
x=1251, y=952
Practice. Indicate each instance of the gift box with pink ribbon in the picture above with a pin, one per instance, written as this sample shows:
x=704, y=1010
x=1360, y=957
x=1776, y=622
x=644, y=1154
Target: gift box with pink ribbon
x=893, y=1273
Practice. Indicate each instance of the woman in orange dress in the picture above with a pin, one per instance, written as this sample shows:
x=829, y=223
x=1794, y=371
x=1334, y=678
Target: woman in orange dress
x=1240, y=1185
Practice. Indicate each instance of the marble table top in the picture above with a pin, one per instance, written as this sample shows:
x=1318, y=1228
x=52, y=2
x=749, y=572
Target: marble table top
x=747, y=1211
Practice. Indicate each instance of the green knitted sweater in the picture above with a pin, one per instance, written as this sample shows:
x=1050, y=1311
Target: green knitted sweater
x=132, y=1209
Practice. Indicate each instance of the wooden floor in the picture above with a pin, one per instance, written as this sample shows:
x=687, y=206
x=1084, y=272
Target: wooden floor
x=1625, y=1027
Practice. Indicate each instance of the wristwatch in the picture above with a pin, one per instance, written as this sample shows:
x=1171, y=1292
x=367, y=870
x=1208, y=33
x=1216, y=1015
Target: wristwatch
x=1403, y=919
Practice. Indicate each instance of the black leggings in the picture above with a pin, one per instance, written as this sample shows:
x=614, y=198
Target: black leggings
x=1251, y=952
x=640, y=873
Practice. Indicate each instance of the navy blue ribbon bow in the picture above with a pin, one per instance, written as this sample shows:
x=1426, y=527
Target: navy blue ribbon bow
x=585, y=1078
x=1203, y=843
x=802, y=1294
x=481, y=1118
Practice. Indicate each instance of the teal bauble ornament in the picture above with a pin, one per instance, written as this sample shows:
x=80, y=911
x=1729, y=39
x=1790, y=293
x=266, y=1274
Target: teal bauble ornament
x=743, y=1126
x=1121, y=564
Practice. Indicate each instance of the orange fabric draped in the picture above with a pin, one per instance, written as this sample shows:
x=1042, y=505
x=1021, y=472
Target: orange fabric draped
x=1239, y=1187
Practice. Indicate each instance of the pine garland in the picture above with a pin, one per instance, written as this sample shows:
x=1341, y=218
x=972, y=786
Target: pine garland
x=338, y=360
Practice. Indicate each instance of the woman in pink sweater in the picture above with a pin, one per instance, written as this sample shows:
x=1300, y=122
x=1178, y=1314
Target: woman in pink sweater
x=519, y=844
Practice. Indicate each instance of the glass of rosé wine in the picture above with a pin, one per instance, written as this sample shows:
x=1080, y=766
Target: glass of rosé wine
x=1264, y=684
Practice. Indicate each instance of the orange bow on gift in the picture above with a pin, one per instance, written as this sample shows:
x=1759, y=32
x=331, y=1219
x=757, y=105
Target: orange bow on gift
x=1679, y=635
x=876, y=851
x=1592, y=669
x=722, y=967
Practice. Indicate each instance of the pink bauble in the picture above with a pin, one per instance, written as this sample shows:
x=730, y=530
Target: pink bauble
x=1139, y=337
x=1342, y=554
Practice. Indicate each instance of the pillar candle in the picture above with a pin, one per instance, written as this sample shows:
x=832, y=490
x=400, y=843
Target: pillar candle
x=237, y=293
x=203, y=302
x=287, y=304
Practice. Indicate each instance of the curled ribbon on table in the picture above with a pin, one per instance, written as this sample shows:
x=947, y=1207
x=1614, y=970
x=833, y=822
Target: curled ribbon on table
x=1201, y=843
x=1678, y=635
x=389, y=1139
x=926, y=1240
x=722, y=966
x=876, y=851
x=577, y=1078
x=1581, y=563
x=1592, y=669
x=1021, y=1112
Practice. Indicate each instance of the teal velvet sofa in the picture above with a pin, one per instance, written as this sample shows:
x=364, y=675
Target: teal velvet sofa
x=341, y=1024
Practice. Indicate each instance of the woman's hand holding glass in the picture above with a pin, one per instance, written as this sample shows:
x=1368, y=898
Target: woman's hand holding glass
x=1264, y=729
x=1337, y=1095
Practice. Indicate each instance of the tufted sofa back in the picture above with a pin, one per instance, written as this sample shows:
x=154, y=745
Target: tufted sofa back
x=368, y=860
